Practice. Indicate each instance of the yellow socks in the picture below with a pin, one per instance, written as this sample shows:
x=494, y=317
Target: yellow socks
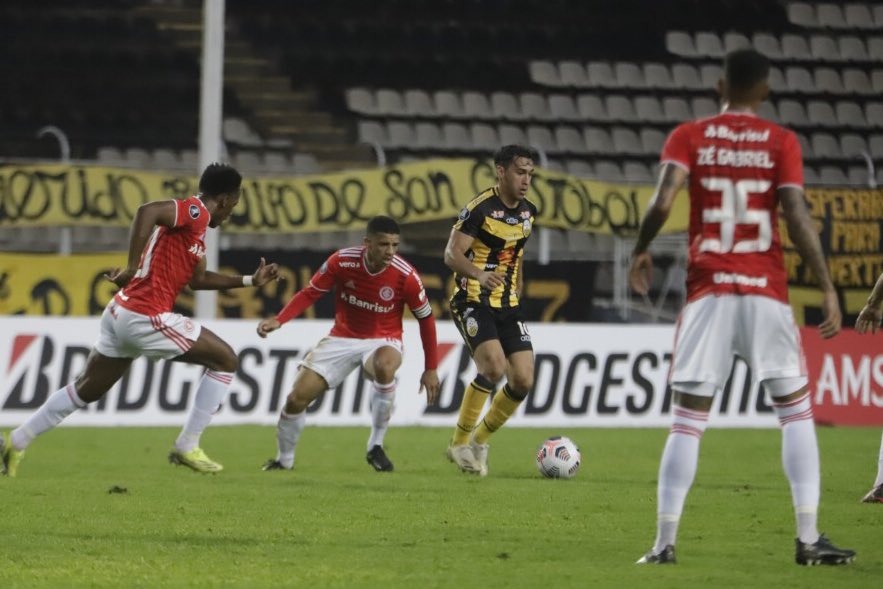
x=502, y=408
x=474, y=398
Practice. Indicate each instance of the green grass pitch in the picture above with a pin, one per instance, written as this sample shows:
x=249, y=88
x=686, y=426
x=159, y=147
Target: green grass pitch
x=334, y=522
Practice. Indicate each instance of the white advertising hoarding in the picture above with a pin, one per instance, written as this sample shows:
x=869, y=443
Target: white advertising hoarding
x=587, y=375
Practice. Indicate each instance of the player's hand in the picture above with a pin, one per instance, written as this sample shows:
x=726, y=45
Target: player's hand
x=641, y=273
x=429, y=381
x=266, y=272
x=268, y=326
x=868, y=319
x=490, y=280
x=120, y=277
x=831, y=313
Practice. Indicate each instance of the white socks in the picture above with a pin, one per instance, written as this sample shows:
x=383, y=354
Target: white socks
x=209, y=395
x=288, y=432
x=676, y=472
x=879, y=480
x=382, y=399
x=59, y=405
x=800, y=457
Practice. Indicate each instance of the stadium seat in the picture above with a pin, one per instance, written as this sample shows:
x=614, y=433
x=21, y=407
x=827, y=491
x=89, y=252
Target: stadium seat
x=597, y=140
x=609, y=171
x=802, y=14
x=165, y=159
x=545, y=73
x=625, y=141
x=795, y=47
x=601, y=75
x=137, y=157
x=652, y=141
x=511, y=134
x=580, y=168
x=448, y=104
x=371, y=132
x=629, y=75
x=238, y=132
x=768, y=44
x=476, y=105
x=823, y=48
x=418, y=103
x=877, y=81
x=821, y=113
x=856, y=81
x=850, y=114
x=875, y=45
x=189, y=159
x=541, y=138
x=776, y=80
x=704, y=107
x=852, y=145
x=563, y=108
x=833, y=175
x=637, y=172
x=275, y=163
x=824, y=146
x=805, y=146
x=573, y=73
x=830, y=16
x=427, y=135
x=389, y=102
x=708, y=44
x=504, y=105
x=767, y=110
x=858, y=16
x=828, y=80
x=710, y=74
x=484, y=136
x=400, y=134
x=534, y=106
x=591, y=108
x=676, y=109
x=852, y=48
x=248, y=162
x=457, y=137
x=110, y=156
x=810, y=176
x=875, y=145
x=734, y=41
x=619, y=108
x=680, y=43
x=657, y=76
x=685, y=76
x=305, y=163
x=874, y=114
x=799, y=79
x=648, y=109
x=360, y=100
x=569, y=140
x=878, y=16
x=858, y=175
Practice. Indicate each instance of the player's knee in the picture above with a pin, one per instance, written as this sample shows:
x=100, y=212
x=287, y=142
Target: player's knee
x=228, y=362
x=520, y=385
x=385, y=370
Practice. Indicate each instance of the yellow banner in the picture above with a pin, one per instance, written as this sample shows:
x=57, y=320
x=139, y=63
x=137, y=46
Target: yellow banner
x=434, y=190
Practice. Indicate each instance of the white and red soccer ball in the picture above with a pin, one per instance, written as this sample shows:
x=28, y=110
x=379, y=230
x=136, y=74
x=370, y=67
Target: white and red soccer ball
x=558, y=458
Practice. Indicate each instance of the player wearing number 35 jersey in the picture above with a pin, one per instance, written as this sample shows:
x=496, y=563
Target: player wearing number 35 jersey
x=740, y=169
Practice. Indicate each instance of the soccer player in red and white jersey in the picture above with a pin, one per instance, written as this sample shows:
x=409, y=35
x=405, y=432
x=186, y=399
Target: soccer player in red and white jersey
x=166, y=253
x=869, y=320
x=372, y=285
x=740, y=169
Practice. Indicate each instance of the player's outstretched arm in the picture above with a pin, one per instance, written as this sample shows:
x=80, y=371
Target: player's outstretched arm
x=870, y=315
x=203, y=279
x=803, y=234
x=268, y=326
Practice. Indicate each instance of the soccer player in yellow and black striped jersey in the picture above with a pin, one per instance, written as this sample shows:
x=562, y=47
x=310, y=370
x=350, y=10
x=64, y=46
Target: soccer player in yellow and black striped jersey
x=485, y=251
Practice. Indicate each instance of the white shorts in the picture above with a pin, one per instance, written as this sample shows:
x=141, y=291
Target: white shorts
x=333, y=358
x=126, y=334
x=712, y=330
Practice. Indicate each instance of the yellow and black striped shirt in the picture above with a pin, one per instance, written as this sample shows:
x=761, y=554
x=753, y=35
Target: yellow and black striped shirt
x=500, y=234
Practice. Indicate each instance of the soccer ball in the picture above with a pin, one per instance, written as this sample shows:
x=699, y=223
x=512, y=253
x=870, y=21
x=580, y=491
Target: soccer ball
x=558, y=458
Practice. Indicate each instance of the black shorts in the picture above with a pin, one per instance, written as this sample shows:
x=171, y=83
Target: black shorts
x=479, y=323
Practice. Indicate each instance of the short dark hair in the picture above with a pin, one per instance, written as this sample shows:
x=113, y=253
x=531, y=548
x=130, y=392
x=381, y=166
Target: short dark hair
x=383, y=224
x=507, y=154
x=219, y=179
x=744, y=68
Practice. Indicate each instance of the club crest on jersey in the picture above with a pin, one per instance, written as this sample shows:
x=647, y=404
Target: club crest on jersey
x=526, y=227
x=387, y=293
x=194, y=211
x=464, y=214
x=472, y=326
